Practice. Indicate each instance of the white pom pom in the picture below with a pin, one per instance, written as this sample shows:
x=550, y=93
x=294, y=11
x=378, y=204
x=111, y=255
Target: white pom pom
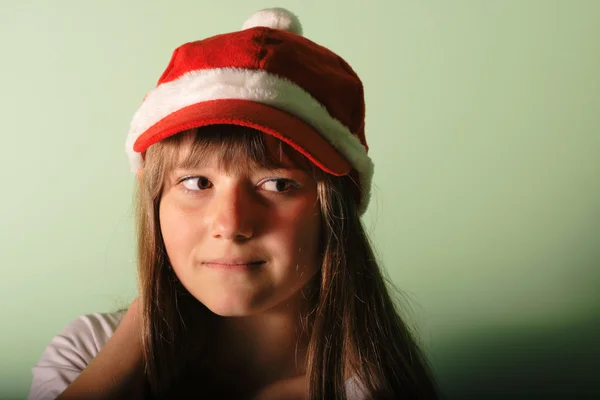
x=276, y=18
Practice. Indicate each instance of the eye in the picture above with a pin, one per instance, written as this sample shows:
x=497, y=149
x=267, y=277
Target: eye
x=196, y=183
x=279, y=185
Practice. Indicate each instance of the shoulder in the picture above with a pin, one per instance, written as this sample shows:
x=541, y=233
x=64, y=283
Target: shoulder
x=355, y=390
x=69, y=352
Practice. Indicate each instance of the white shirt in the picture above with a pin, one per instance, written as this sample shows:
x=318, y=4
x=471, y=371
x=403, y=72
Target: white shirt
x=78, y=343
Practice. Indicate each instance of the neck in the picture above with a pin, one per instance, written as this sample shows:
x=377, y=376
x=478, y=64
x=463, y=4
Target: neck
x=271, y=344
x=264, y=349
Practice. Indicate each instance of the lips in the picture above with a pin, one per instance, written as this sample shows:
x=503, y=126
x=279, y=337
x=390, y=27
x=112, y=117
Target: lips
x=235, y=261
x=235, y=264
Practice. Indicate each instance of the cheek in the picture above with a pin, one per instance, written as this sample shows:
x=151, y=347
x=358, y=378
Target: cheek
x=301, y=235
x=177, y=233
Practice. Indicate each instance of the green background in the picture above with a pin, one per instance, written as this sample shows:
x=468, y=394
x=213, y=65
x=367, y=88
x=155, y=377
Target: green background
x=483, y=121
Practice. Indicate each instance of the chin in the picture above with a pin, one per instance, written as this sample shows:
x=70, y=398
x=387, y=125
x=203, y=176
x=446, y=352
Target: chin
x=232, y=306
x=228, y=310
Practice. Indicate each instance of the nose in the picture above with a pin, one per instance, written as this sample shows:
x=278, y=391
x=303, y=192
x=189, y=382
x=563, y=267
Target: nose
x=233, y=216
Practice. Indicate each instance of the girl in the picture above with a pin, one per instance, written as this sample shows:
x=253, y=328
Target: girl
x=256, y=278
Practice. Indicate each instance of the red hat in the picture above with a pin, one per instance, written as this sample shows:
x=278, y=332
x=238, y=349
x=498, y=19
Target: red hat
x=267, y=77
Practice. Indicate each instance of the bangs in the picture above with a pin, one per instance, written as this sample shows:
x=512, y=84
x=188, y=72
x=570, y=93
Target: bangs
x=234, y=148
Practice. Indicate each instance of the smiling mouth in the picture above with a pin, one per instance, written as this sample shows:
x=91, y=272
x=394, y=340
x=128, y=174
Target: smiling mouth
x=237, y=264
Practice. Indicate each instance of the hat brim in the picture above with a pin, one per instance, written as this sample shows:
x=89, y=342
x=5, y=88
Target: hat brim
x=270, y=120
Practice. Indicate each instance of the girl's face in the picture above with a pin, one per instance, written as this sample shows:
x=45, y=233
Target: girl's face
x=242, y=240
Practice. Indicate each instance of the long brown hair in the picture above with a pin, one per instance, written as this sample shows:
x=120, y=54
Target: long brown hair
x=355, y=327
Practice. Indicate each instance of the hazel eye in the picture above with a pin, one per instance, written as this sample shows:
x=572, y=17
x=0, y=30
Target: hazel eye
x=279, y=185
x=197, y=183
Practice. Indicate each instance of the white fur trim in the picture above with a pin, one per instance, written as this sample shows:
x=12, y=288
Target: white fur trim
x=260, y=86
x=276, y=18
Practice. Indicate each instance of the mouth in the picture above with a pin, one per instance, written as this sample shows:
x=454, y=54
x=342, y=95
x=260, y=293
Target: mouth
x=234, y=263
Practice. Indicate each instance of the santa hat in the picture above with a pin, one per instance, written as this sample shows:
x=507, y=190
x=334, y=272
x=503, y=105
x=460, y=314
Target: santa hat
x=267, y=77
